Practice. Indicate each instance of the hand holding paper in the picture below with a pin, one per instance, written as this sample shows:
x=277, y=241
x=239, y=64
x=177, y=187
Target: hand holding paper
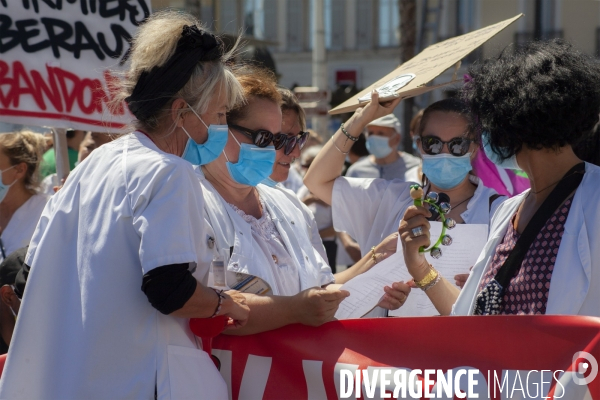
x=467, y=242
x=367, y=289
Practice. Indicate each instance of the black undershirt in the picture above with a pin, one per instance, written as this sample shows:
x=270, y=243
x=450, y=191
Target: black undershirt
x=169, y=287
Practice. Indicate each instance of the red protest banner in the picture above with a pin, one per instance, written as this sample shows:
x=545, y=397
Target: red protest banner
x=56, y=59
x=492, y=357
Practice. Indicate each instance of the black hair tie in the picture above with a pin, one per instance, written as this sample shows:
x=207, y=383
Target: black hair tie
x=155, y=87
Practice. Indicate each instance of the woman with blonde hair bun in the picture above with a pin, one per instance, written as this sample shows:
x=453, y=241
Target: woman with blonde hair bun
x=20, y=202
x=119, y=260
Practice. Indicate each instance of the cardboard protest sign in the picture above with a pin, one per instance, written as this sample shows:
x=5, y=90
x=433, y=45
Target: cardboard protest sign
x=58, y=58
x=411, y=78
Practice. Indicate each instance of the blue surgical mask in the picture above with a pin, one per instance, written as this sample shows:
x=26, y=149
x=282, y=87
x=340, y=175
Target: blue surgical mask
x=254, y=164
x=415, y=147
x=509, y=163
x=4, y=188
x=445, y=170
x=200, y=154
x=269, y=182
x=379, y=146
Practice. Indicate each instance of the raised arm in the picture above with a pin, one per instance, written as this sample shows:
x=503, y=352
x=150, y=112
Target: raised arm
x=327, y=166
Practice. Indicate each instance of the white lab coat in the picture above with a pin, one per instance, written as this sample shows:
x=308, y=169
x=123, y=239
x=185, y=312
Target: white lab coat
x=229, y=229
x=85, y=328
x=371, y=209
x=575, y=284
x=21, y=226
x=310, y=220
x=321, y=213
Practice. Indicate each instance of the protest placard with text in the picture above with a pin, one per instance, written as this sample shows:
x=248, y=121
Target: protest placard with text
x=59, y=61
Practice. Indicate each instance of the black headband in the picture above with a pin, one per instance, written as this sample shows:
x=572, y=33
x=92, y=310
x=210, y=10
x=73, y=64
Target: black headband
x=155, y=87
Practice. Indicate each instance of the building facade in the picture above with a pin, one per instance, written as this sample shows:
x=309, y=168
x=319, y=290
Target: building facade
x=362, y=36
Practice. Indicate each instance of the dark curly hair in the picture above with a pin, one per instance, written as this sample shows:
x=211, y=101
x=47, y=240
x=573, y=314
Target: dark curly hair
x=543, y=95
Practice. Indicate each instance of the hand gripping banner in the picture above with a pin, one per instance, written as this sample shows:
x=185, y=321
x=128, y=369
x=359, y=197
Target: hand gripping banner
x=493, y=357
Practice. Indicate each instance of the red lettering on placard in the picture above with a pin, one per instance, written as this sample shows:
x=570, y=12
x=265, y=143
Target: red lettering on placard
x=56, y=89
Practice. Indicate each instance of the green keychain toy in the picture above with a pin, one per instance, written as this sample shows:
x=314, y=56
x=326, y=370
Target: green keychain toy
x=432, y=199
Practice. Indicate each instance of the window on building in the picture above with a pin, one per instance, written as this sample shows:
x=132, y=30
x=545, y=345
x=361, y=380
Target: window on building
x=549, y=20
x=228, y=16
x=364, y=24
x=389, y=23
x=295, y=25
x=465, y=16
x=270, y=20
x=542, y=21
x=338, y=24
x=254, y=18
x=207, y=13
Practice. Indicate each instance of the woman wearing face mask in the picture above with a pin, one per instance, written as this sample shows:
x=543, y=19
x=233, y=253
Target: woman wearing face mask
x=119, y=260
x=371, y=209
x=258, y=230
x=293, y=125
x=444, y=142
x=21, y=203
x=542, y=256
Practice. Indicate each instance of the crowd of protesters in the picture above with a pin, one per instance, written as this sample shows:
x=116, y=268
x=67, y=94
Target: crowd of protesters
x=221, y=202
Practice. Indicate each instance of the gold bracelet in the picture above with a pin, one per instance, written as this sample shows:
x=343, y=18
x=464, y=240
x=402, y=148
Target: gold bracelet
x=373, y=254
x=431, y=276
x=432, y=284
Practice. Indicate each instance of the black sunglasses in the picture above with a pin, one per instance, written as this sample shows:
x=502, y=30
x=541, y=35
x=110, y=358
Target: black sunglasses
x=433, y=145
x=260, y=137
x=280, y=140
x=263, y=137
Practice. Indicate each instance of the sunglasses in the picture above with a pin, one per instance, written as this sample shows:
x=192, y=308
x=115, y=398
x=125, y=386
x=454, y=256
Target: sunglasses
x=433, y=145
x=263, y=137
x=288, y=143
x=260, y=137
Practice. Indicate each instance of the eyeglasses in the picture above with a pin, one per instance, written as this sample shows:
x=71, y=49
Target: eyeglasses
x=263, y=137
x=290, y=142
x=433, y=145
x=260, y=137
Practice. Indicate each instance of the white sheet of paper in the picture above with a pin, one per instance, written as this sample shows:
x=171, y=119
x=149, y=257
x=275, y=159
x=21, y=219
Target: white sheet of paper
x=367, y=289
x=467, y=242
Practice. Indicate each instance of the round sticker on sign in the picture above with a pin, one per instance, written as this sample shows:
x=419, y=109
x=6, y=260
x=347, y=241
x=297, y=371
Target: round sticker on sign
x=390, y=88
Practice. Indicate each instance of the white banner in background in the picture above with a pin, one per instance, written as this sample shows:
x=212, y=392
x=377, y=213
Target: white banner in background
x=58, y=58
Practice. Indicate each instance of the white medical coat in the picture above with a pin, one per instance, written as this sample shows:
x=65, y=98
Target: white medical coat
x=575, y=283
x=21, y=226
x=85, y=328
x=229, y=229
x=371, y=209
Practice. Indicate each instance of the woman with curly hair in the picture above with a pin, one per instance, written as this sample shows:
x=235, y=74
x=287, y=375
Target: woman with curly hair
x=531, y=105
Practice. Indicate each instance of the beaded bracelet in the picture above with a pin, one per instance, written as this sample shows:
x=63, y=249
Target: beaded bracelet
x=345, y=132
x=221, y=297
x=373, y=254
